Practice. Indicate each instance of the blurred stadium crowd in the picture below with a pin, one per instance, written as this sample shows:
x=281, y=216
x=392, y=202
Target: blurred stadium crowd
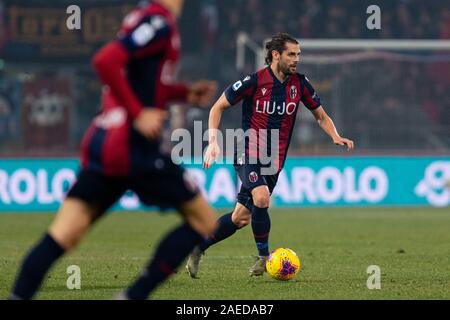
x=396, y=103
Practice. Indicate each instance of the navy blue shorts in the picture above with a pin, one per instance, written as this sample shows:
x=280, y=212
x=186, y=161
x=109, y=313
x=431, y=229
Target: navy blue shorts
x=168, y=187
x=250, y=175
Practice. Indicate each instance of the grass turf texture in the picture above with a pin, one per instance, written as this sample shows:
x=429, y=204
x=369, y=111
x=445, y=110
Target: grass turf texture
x=335, y=246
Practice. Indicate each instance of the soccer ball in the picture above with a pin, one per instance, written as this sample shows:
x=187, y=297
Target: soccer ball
x=283, y=264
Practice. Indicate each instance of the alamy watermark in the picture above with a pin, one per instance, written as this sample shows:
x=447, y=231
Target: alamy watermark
x=74, y=280
x=374, y=280
x=374, y=20
x=250, y=146
x=73, y=21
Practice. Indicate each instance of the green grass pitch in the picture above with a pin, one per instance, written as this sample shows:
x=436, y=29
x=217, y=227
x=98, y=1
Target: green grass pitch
x=410, y=245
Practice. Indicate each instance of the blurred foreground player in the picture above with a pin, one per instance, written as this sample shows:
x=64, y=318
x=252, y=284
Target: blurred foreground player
x=271, y=99
x=121, y=151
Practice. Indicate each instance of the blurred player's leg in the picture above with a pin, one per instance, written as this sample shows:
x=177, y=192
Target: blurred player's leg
x=228, y=224
x=174, y=248
x=199, y=214
x=193, y=263
x=72, y=222
x=86, y=201
x=70, y=225
x=260, y=227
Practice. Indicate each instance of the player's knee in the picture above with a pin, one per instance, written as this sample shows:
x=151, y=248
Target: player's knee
x=261, y=197
x=261, y=200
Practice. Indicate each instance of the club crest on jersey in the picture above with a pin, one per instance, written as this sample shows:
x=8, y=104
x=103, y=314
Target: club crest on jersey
x=293, y=92
x=253, y=177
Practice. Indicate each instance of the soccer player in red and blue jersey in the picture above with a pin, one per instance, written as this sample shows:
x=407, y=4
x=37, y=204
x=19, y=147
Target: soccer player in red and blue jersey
x=121, y=151
x=271, y=98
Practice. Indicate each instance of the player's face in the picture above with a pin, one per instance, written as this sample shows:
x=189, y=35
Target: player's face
x=289, y=58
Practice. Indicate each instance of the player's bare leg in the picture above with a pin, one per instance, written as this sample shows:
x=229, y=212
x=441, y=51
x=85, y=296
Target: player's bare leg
x=174, y=248
x=72, y=222
x=240, y=217
x=68, y=228
x=199, y=214
x=261, y=228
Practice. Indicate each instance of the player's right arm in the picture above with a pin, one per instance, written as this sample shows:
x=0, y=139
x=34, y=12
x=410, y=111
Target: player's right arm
x=147, y=36
x=213, y=150
x=232, y=95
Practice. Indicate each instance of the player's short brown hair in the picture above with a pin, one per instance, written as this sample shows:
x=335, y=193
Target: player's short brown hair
x=278, y=43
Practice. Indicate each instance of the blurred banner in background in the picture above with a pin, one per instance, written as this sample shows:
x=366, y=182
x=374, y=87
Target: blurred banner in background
x=40, y=185
x=36, y=30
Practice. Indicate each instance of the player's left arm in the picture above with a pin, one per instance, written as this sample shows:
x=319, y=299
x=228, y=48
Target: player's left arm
x=326, y=123
x=311, y=100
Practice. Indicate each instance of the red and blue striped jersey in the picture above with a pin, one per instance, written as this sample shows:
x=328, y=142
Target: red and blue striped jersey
x=138, y=71
x=269, y=105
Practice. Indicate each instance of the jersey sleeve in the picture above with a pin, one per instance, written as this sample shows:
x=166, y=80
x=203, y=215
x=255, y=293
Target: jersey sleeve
x=241, y=89
x=109, y=63
x=310, y=98
x=149, y=36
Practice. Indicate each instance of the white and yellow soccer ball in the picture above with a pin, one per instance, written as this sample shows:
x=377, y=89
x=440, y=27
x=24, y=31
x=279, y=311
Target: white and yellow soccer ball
x=283, y=264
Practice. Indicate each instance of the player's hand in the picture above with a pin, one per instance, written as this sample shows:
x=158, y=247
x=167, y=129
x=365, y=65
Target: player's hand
x=211, y=155
x=201, y=93
x=149, y=122
x=344, y=142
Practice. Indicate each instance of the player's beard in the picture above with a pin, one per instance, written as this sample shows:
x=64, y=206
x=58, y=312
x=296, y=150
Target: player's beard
x=286, y=69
